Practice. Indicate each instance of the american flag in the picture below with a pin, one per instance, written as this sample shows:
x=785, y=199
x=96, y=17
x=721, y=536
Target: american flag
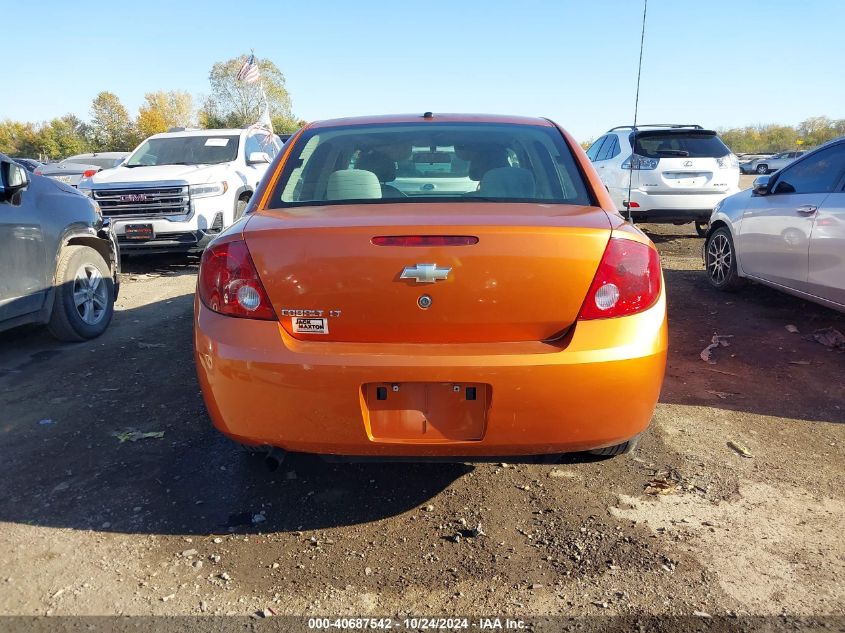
x=249, y=71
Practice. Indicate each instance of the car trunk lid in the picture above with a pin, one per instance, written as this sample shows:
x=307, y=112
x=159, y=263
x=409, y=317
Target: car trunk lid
x=525, y=278
x=688, y=162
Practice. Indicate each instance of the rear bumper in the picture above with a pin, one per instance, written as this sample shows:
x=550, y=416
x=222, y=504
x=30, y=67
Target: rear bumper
x=673, y=207
x=598, y=387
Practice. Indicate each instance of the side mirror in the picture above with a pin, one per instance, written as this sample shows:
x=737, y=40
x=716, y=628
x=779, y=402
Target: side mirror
x=760, y=186
x=258, y=157
x=13, y=178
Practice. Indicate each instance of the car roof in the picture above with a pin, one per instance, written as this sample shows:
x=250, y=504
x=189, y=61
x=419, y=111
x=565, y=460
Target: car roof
x=657, y=126
x=99, y=155
x=436, y=117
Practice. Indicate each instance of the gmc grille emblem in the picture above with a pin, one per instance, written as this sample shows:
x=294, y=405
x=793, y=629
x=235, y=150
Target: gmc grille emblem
x=134, y=197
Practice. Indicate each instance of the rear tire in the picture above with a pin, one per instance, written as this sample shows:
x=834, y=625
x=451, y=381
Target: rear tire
x=84, y=295
x=618, y=449
x=701, y=228
x=762, y=169
x=720, y=260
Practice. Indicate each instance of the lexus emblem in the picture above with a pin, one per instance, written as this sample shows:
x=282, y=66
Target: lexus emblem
x=425, y=273
x=687, y=163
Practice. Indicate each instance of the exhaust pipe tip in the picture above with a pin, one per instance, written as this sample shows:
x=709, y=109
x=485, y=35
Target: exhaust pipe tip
x=274, y=459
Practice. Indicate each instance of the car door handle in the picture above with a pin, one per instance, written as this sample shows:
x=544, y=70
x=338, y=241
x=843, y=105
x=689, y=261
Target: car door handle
x=807, y=209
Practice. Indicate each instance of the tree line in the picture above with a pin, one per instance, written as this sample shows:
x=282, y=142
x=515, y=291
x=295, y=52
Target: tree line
x=770, y=138
x=755, y=139
x=229, y=104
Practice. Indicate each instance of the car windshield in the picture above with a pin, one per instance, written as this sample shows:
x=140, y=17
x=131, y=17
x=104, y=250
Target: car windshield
x=689, y=144
x=185, y=150
x=415, y=162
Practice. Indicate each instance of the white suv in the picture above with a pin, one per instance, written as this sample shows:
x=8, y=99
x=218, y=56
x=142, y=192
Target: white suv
x=677, y=173
x=179, y=189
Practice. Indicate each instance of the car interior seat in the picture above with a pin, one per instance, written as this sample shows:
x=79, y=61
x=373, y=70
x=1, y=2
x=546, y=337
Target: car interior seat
x=384, y=169
x=485, y=158
x=507, y=182
x=353, y=184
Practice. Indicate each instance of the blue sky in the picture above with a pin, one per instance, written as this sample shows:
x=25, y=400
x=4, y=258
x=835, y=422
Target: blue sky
x=715, y=62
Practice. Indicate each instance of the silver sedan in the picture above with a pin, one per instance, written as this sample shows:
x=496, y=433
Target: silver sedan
x=787, y=231
x=768, y=164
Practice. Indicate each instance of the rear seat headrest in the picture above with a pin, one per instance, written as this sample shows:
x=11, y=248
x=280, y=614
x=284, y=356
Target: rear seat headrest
x=353, y=184
x=508, y=182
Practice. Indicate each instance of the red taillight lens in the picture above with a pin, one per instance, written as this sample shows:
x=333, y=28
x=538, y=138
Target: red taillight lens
x=88, y=173
x=229, y=283
x=38, y=172
x=627, y=281
x=425, y=240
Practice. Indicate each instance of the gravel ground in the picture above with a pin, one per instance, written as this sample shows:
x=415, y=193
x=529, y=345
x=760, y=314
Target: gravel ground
x=92, y=522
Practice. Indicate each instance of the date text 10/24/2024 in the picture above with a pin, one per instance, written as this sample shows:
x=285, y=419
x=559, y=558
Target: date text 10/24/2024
x=418, y=623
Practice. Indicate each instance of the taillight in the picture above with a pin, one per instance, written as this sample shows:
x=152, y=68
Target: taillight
x=88, y=173
x=229, y=283
x=38, y=172
x=627, y=281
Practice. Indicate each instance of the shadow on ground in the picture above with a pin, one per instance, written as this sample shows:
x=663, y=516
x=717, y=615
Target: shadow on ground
x=64, y=407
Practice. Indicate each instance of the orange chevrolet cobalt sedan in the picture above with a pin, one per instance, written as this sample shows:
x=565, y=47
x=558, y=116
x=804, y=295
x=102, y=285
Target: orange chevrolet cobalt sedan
x=431, y=285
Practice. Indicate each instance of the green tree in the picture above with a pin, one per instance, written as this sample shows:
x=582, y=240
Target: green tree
x=285, y=125
x=17, y=138
x=111, y=128
x=62, y=137
x=234, y=103
x=164, y=110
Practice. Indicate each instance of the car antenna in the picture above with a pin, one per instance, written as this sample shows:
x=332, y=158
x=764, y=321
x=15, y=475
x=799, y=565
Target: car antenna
x=636, y=106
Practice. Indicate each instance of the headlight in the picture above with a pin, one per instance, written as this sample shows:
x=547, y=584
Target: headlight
x=635, y=161
x=209, y=190
x=85, y=191
x=726, y=162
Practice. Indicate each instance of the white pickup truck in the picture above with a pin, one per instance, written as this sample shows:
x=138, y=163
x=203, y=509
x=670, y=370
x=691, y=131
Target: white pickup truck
x=179, y=189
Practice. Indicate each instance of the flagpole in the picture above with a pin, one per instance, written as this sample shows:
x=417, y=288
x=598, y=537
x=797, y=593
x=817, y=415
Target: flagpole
x=269, y=120
x=250, y=72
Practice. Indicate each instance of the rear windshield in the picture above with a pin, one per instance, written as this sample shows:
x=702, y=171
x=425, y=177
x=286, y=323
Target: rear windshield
x=102, y=163
x=185, y=150
x=429, y=162
x=663, y=144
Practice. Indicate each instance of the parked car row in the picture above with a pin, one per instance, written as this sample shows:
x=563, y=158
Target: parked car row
x=73, y=169
x=60, y=251
x=334, y=318
x=769, y=164
x=179, y=189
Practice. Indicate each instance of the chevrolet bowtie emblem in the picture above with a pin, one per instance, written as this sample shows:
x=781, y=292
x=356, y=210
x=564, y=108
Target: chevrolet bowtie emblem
x=425, y=273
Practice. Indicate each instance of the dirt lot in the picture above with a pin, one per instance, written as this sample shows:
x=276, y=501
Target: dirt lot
x=94, y=523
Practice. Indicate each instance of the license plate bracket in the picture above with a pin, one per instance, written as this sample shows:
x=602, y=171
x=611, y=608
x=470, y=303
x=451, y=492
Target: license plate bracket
x=426, y=412
x=140, y=232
